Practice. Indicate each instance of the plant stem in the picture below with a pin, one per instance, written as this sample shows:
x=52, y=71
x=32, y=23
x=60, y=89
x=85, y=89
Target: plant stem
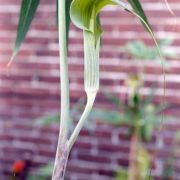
x=133, y=165
x=91, y=80
x=90, y=101
x=62, y=151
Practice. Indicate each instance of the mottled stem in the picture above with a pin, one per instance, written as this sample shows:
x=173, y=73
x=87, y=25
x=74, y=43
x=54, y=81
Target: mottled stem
x=62, y=151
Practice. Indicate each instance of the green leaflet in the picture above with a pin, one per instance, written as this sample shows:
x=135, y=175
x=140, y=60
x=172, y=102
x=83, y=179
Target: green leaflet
x=27, y=12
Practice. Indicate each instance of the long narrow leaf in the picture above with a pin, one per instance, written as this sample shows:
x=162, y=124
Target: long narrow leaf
x=27, y=12
x=136, y=5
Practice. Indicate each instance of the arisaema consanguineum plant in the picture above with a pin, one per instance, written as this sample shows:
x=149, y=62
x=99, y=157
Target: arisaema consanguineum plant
x=84, y=14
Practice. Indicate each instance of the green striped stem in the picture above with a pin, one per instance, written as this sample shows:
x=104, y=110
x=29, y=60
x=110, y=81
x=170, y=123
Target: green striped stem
x=91, y=82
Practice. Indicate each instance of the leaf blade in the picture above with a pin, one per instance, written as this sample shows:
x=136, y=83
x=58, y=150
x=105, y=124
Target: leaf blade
x=27, y=12
x=136, y=5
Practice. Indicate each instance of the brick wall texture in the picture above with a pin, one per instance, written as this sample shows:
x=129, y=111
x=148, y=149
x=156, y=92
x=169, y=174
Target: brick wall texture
x=30, y=88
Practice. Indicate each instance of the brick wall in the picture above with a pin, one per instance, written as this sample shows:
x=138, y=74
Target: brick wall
x=30, y=88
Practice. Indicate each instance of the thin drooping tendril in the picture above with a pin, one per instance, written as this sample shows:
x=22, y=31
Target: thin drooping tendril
x=164, y=98
x=163, y=68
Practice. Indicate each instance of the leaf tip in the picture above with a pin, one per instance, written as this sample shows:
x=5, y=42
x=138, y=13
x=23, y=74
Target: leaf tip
x=11, y=59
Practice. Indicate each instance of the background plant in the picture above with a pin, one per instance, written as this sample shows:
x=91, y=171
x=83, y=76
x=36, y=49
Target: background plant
x=141, y=51
x=141, y=117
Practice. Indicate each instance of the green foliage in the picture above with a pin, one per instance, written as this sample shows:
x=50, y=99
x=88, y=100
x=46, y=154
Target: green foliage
x=122, y=174
x=142, y=113
x=143, y=163
x=136, y=5
x=112, y=117
x=27, y=12
x=43, y=173
x=139, y=50
x=88, y=10
x=84, y=14
x=141, y=117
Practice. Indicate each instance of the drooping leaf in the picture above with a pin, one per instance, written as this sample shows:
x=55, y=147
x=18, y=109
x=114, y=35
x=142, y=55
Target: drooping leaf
x=27, y=12
x=139, y=12
x=136, y=5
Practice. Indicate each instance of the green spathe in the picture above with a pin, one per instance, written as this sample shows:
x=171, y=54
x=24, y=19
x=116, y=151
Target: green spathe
x=84, y=15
